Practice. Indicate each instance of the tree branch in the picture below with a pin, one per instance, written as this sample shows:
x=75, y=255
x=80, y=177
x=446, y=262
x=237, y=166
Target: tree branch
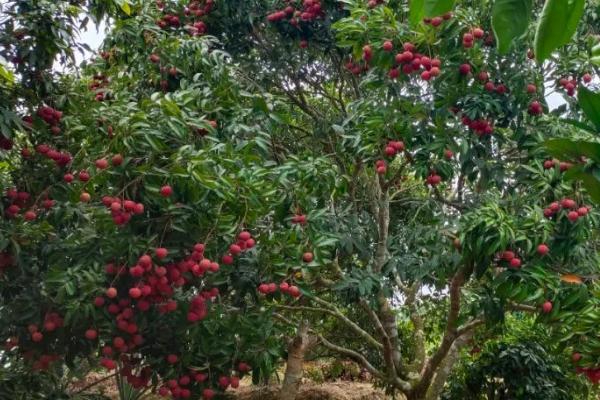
x=469, y=326
x=521, y=307
x=441, y=376
x=419, y=332
x=388, y=349
x=383, y=221
x=438, y=196
x=450, y=332
x=352, y=354
x=336, y=313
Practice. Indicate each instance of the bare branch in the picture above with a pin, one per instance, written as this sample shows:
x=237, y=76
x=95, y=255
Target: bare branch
x=469, y=326
x=521, y=307
x=352, y=354
x=383, y=221
x=441, y=375
x=339, y=315
x=438, y=196
x=450, y=332
x=388, y=349
x=419, y=331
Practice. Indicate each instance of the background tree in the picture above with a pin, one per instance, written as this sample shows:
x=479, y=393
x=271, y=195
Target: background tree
x=523, y=363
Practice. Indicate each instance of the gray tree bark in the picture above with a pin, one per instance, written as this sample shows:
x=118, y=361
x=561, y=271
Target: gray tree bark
x=295, y=363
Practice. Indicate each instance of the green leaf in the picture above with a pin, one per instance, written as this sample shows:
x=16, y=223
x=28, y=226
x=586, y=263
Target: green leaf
x=7, y=75
x=434, y=8
x=510, y=19
x=591, y=184
x=557, y=25
x=595, y=54
x=126, y=9
x=124, y=5
x=590, y=104
x=579, y=125
x=416, y=11
x=573, y=149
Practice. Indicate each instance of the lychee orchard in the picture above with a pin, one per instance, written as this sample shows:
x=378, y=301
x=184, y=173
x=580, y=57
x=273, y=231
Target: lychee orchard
x=221, y=180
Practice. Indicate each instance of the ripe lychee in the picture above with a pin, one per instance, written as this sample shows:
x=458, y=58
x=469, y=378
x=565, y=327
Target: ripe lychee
x=166, y=191
x=543, y=249
x=91, y=334
x=307, y=257
x=546, y=307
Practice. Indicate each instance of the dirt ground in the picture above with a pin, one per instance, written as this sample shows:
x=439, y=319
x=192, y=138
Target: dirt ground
x=309, y=390
x=339, y=390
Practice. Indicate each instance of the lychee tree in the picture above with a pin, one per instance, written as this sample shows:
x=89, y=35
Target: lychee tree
x=126, y=204
x=224, y=172
x=394, y=121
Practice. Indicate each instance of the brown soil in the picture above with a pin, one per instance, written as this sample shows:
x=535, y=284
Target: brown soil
x=339, y=390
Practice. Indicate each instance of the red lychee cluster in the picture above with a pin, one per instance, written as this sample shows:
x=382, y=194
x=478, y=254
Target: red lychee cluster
x=197, y=28
x=480, y=126
x=468, y=39
x=310, y=10
x=569, y=85
x=291, y=290
x=169, y=20
x=136, y=289
x=44, y=361
x=380, y=167
x=139, y=380
x=393, y=147
x=374, y=3
x=562, y=165
x=50, y=116
x=267, y=288
x=490, y=86
x=60, y=158
x=592, y=374
x=510, y=259
x=569, y=206
x=284, y=287
x=17, y=202
x=194, y=10
x=437, y=21
x=412, y=62
x=433, y=179
x=99, y=83
x=244, y=242
x=52, y=321
x=198, y=308
x=39, y=362
x=181, y=386
x=356, y=67
x=122, y=210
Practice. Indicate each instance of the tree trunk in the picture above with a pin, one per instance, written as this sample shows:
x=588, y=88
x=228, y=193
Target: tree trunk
x=445, y=368
x=294, y=368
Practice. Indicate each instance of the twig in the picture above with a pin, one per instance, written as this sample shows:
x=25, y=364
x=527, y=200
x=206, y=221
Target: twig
x=93, y=384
